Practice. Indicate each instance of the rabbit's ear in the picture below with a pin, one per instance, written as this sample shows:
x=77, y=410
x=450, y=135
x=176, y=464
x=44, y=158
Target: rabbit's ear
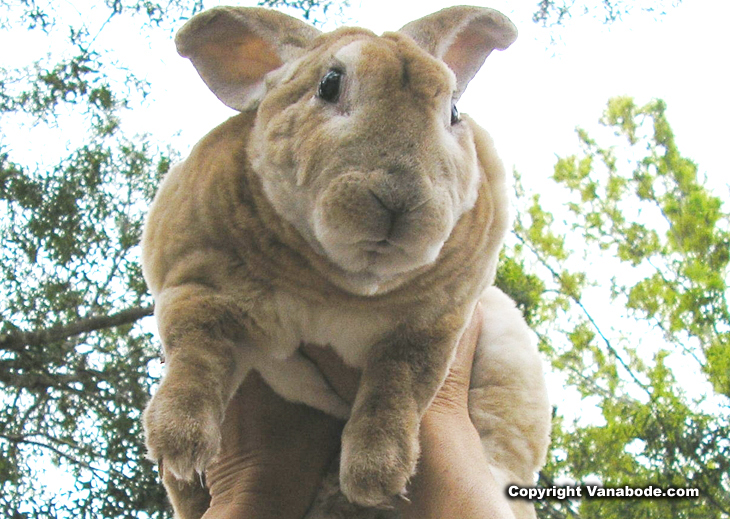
x=462, y=37
x=233, y=48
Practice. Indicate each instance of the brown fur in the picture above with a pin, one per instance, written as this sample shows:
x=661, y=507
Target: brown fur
x=371, y=224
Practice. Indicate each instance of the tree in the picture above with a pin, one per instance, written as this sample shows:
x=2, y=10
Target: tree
x=559, y=12
x=628, y=294
x=78, y=361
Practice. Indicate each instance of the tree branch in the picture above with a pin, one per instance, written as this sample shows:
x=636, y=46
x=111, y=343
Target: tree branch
x=96, y=471
x=558, y=278
x=56, y=333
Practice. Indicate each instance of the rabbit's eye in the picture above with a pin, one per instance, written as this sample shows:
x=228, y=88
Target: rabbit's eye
x=455, y=117
x=329, y=87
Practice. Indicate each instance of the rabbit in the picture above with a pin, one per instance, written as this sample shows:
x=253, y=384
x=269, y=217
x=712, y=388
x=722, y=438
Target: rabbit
x=348, y=204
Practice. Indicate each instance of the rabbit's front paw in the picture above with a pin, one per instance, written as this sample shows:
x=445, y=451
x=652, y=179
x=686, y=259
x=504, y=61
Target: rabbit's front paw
x=377, y=461
x=182, y=431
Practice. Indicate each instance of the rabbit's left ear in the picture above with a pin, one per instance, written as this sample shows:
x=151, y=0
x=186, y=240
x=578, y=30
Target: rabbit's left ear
x=233, y=48
x=462, y=37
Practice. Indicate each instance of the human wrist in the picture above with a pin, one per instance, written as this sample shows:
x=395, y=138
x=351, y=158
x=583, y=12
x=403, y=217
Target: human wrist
x=447, y=415
x=453, y=478
x=446, y=435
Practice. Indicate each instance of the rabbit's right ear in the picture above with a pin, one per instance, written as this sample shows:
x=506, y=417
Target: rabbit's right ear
x=463, y=37
x=233, y=48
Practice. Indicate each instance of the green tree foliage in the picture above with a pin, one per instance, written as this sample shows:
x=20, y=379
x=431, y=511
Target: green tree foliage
x=628, y=293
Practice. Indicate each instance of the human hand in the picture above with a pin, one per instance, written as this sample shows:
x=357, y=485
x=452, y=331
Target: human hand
x=273, y=457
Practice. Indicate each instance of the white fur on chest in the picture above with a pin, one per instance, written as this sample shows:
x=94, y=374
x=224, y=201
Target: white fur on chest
x=350, y=332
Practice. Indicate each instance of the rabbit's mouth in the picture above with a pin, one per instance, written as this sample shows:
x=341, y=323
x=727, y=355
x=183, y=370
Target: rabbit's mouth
x=378, y=247
x=378, y=254
x=384, y=259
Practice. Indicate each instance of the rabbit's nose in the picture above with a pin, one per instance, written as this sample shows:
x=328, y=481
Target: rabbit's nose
x=392, y=210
